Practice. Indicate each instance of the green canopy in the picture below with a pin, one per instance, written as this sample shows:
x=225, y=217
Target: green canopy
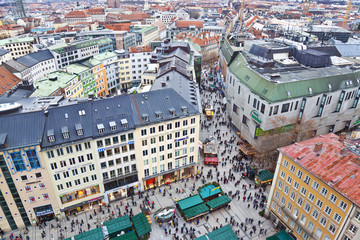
x=217, y=202
x=94, y=234
x=141, y=224
x=265, y=175
x=224, y=233
x=209, y=191
x=196, y=210
x=282, y=235
x=117, y=225
x=189, y=202
x=127, y=236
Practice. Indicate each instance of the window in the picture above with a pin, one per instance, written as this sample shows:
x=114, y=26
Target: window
x=285, y=163
x=319, y=203
x=152, y=140
x=315, y=214
x=352, y=228
x=99, y=143
x=357, y=216
x=323, y=221
x=33, y=159
x=292, y=168
x=60, y=152
x=292, y=195
x=53, y=166
x=289, y=179
x=332, y=228
x=285, y=108
x=324, y=191
x=299, y=174
x=169, y=126
x=289, y=206
x=145, y=152
x=303, y=191
x=315, y=185
x=50, y=154
x=327, y=210
x=115, y=139
x=311, y=197
x=307, y=179
x=152, y=130
x=131, y=136
x=143, y=132
x=296, y=213
x=343, y=205
x=300, y=201
x=154, y=170
x=280, y=184
x=333, y=198
x=307, y=207
x=18, y=161
x=296, y=185
x=318, y=232
x=282, y=175
x=69, y=150
x=146, y=172
x=337, y=217
x=286, y=190
x=303, y=219
x=193, y=121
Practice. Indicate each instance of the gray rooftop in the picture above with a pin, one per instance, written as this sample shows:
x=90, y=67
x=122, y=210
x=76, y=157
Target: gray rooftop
x=3, y=51
x=32, y=59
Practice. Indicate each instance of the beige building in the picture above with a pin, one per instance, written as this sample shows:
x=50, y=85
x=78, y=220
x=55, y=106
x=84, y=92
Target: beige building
x=124, y=69
x=18, y=47
x=26, y=193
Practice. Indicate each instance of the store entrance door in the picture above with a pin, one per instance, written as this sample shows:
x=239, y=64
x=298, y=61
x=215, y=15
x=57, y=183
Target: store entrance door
x=130, y=191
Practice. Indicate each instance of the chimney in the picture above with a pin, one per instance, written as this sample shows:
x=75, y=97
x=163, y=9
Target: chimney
x=318, y=146
x=342, y=137
x=343, y=151
x=163, y=84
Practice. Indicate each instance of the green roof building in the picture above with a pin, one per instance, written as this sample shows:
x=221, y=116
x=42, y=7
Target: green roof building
x=274, y=100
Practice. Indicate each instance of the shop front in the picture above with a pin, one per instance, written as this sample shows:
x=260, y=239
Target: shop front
x=83, y=206
x=187, y=172
x=150, y=183
x=122, y=192
x=169, y=177
x=44, y=213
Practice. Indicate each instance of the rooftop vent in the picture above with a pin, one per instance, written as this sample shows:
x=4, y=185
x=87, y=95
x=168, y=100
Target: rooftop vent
x=184, y=109
x=145, y=117
x=172, y=111
x=51, y=135
x=158, y=114
x=318, y=146
x=101, y=128
x=81, y=113
x=124, y=123
x=112, y=125
x=79, y=129
x=65, y=132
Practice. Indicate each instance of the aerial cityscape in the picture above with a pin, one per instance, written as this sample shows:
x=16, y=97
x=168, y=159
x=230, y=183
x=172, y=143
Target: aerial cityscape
x=179, y=120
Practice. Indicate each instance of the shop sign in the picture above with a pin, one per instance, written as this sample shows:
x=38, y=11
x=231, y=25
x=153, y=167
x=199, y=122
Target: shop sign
x=180, y=139
x=114, y=146
x=255, y=115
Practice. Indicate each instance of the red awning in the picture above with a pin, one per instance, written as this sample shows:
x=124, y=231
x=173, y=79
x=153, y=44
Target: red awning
x=211, y=159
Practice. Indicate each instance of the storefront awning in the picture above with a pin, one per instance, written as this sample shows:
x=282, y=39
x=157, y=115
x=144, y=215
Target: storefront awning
x=211, y=159
x=245, y=150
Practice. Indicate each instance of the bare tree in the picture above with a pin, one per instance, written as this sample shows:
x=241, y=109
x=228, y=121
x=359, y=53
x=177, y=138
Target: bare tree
x=209, y=59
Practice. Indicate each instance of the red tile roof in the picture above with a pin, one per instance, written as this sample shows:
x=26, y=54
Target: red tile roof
x=186, y=24
x=7, y=80
x=203, y=39
x=119, y=26
x=77, y=14
x=96, y=11
x=134, y=16
x=337, y=164
x=139, y=49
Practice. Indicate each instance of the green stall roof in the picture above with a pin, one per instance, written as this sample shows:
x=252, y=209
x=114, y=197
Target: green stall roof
x=217, y=202
x=265, y=175
x=224, y=233
x=117, y=225
x=209, y=191
x=94, y=234
x=196, y=210
x=190, y=202
x=127, y=236
x=282, y=235
x=141, y=224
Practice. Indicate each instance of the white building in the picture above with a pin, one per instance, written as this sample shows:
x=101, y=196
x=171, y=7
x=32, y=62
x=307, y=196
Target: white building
x=139, y=60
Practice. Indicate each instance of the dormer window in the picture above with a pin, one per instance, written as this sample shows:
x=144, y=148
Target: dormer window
x=184, y=109
x=79, y=129
x=145, y=117
x=101, y=128
x=65, y=132
x=112, y=125
x=124, y=123
x=172, y=111
x=81, y=112
x=158, y=115
x=51, y=135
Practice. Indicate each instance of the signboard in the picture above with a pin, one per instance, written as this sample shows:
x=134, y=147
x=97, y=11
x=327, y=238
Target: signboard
x=255, y=115
x=201, y=144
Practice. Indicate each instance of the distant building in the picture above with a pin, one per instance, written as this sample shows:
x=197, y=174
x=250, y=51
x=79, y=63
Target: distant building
x=5, y=55
x=113, y=3
x=77, y=17
x=18, y=46
x=110, y=63
x=139, y=59
x=124, y=69
x=144, y=34
x=66, y=53
x=97, y=14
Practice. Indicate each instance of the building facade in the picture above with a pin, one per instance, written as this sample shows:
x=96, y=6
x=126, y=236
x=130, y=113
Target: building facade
x=308, y=196
x=124, y=69
x=18, y=47
x=139, y=59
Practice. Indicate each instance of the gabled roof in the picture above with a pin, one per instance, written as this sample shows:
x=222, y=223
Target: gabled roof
x=7, y=80
x=190, y=202
x=77, y=14
x=32, y=59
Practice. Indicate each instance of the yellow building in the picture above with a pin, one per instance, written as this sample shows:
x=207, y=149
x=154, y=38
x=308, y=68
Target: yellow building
x=315, y=192
x=123, y=78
